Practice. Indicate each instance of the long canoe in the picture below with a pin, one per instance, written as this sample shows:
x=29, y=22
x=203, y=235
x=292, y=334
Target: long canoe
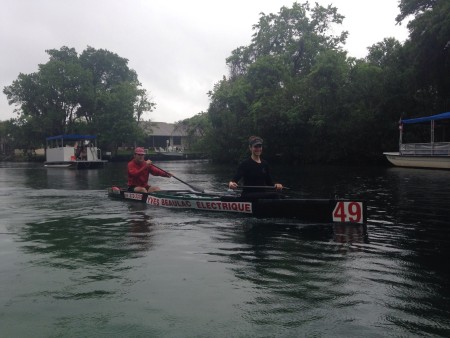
x=311, y=210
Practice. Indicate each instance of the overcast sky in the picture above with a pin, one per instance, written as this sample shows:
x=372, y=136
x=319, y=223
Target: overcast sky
x=177, y=47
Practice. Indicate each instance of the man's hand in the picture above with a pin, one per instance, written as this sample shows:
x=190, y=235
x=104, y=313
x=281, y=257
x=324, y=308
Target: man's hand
x=232, y=185
x=278, y=186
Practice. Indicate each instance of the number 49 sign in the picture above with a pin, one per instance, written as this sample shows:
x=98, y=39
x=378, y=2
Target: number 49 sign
x=348, y=212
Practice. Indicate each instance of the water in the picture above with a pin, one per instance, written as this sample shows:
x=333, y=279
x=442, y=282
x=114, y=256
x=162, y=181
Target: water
x=75, y=263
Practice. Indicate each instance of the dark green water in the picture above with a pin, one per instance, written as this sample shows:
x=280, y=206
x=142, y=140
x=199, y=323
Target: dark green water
x=74, y=263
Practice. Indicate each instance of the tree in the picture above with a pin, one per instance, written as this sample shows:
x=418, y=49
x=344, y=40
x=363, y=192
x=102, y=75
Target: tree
x=299, y=34
x=414, y=7
x=197, y=129
x=429, y=48
x=142, y=104
x=296, y=87
x=95, y=92
x=227, y=113
x=114, y=118
x=50, y=95
x=262, y=94
x=269, y=90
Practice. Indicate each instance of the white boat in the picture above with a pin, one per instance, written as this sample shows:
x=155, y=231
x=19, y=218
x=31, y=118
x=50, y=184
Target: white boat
x=73, y=151
x=171, y=152
x=433, y=155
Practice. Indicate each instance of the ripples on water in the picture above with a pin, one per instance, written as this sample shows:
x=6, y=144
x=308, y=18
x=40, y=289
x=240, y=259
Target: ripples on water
x=74, y=263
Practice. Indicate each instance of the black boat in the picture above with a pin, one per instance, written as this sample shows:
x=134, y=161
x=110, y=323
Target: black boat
x=311, y=210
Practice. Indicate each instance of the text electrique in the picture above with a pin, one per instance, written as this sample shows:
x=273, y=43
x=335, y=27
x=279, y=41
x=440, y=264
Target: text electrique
x=244, y=207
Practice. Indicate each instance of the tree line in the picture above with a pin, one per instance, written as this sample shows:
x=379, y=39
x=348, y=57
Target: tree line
x=91, y=93
x=294, y=85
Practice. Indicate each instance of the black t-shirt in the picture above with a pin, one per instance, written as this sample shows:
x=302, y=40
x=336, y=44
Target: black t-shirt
x=254, y=174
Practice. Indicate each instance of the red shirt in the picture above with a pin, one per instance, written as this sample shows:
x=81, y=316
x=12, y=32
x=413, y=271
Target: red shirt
x=138, y=173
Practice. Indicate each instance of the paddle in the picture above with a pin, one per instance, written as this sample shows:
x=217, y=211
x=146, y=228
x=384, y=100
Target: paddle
x=259, y=187
x=189, y=185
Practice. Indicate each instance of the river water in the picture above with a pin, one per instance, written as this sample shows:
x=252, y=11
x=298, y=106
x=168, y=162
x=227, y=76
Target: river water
x=75, y=263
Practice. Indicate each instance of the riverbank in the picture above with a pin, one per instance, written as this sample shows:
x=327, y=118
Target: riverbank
x=116, y=158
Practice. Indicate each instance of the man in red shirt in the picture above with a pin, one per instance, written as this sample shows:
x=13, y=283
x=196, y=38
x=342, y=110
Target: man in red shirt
x=139, y=171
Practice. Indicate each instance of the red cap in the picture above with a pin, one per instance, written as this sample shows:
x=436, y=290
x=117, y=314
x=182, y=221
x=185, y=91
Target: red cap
x=139, y=151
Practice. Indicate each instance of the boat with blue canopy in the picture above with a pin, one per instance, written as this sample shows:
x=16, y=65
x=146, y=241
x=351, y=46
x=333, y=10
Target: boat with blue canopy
x=73, y=151
x=434, y=154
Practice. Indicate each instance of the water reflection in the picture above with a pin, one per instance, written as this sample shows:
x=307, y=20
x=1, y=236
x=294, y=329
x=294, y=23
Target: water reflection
x=350, y=233
x=140, y=226
x=339, y=233
x=38, y=177
x=57, y=178
x=296, y=273
x=418, y=194
x=74, y=241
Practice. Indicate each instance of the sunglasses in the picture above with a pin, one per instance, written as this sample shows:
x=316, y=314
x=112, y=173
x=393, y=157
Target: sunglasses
x=257, y=146
x=140, y=154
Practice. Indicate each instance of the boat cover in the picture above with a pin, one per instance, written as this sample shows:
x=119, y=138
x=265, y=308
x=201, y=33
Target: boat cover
x=441, y=116
x=71, y=137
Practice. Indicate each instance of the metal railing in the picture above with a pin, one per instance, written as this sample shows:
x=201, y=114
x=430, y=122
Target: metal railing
x=425, y=149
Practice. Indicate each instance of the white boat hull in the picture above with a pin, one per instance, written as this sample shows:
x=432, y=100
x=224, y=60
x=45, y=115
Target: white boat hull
x=432, y=162
x=76, y=164
x=171, y=153
x=58, y=165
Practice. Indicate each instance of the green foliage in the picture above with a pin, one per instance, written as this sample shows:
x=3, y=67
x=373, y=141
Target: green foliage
x=295, y=86
x=197, y=129
x=414, y=7
x=297, y=34
x=281, y=86
x=429, y=48
x=94, y=93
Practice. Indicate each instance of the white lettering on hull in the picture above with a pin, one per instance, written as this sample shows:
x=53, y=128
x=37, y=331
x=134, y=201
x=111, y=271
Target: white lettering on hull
x=133, y=196
x=240, y=207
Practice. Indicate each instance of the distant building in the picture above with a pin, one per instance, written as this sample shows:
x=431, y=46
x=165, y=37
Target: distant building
x=164, y=135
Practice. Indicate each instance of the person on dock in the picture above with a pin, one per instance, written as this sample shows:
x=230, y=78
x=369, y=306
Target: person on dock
x=255, y=172
x=139, y=171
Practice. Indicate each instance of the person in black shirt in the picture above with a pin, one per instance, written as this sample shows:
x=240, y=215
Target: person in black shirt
x=255, y=172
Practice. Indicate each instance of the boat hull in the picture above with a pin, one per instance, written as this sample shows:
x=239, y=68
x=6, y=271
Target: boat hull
x=417, y=161
x=76, y=164
x=311, y=210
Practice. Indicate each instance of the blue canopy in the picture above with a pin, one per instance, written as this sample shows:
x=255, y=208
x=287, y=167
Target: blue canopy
x=71, y=137
x=441, y=116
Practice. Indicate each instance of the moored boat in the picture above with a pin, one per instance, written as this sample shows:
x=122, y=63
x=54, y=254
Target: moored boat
x=432, y=155
x=170, y=153
x=310, y=210
x=73, y=151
